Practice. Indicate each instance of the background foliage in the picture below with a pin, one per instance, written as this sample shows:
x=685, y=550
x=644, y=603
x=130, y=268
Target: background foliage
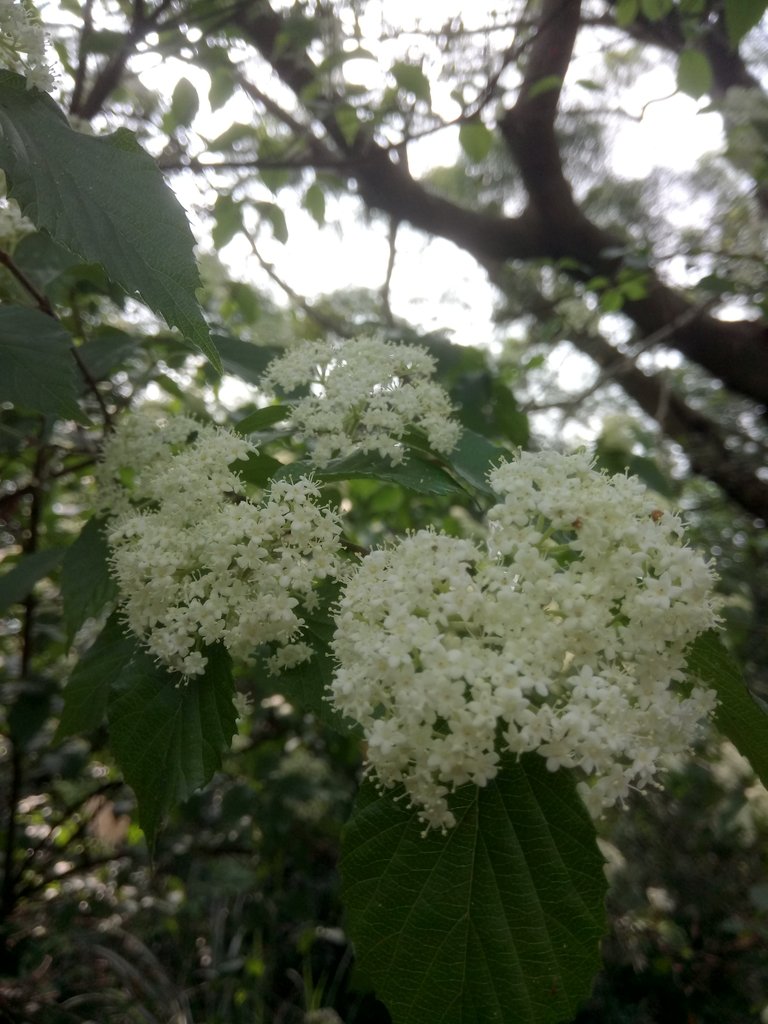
x=658, y=282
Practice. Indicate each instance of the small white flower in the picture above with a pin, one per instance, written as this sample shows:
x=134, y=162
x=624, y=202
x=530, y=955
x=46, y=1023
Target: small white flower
x=22, y=45
x=565, y=637
x=197, y=561
x=362, y=395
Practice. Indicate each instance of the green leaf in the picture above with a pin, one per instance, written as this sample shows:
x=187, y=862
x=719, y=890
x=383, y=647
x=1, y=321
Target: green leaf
x=231, y=138
x=258, y=469
x=616, y=460
x=245, y=300
x=314, y=203
x=741, y=16
x=276, y=218
x=472, y=459
x=612, y=300
x=305, y=685
x=549, y=83
x=107, y=351
x=168, y=735
x=510, y=419
x=244, y=359
x=415, y=474
x=106, y=200
x=340, y=57
x=17, y=584
x=476, y=140
x=346, y=118
x=655, y=10
x=411, y=78
x=738, y=715
x=694, y=73
x=185, y=103
x=297, y=33
x=38, y=368
x=229, y=220
x=86, y=694
x=222, y=87
x=262, y=418
x=43, y=260
x=496, y=922
x=649, y=472
x=86, y=584
x=626, y=12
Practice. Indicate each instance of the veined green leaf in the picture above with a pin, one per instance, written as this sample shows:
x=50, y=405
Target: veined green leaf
x=244, y=359
x=496, y=922
x=86, y=694
x=415, y=473
x=86, y=584
x=107, y=350
x=38, y=368
x=262, y=418
x=169, y=735
x=106, y=200
x=738, y=715
x=472, y=459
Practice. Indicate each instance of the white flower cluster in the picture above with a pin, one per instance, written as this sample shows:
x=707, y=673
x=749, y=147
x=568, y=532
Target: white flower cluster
x=22, y=45
x=196, y=561
x=363, y=396
x=566, y=637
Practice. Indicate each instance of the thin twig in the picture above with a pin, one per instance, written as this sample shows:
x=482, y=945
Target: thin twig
x=43, y=303
x=329, y=323
x=93, y=386
x=9, y=894
x=82, y=56
x=626, y=363
x=386, y=286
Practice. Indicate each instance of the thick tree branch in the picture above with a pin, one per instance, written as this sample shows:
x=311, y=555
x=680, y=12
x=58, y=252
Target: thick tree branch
x=553, y=227
x=734, y=352
x=529, y=126
x=702, y=438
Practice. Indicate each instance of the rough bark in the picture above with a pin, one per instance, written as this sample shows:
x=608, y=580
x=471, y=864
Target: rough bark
x=702, y=439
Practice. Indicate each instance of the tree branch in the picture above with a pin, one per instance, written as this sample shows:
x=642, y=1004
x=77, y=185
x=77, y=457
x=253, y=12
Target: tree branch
x=552, y=227
x=702, y=438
